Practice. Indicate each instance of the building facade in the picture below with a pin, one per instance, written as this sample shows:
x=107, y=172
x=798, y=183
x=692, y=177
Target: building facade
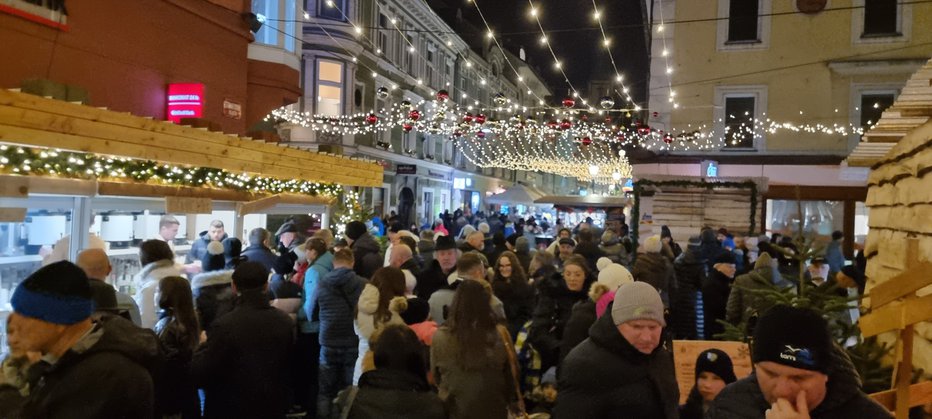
x=802, y=63
x=363, y=56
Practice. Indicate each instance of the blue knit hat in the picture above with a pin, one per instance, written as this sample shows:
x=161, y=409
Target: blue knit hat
x=57, y=293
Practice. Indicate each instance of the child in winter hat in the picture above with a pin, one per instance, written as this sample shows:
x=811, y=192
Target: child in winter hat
x=611, y=277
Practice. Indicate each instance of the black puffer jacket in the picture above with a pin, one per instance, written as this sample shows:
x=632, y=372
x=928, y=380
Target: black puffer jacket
x=692, y=409
x=690, y=273
x=517, y=299
x=844, y=399
x=367, y=253
x=177, y=393
x=606, y=377
x=715, y=292
x=553, y=311
x=392, y=394
x=213, y=296
x=581, y=320
x=337, y=295
x=107, y=374
x=657, y=271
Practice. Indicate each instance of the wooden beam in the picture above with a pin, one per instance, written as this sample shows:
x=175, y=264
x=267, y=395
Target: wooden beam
x=161, y=191
x=260, y=204
x=53, y=185
x=12, y=215
x=896, y=315
x=919, y=394
x=185, y=205
x=14, y=187
x=901, y=285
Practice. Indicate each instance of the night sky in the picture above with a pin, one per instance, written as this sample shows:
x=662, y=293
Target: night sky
x=573, y=33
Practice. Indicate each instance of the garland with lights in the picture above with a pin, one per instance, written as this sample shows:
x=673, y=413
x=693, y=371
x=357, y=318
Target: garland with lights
x=702, y=183
x=48, y=162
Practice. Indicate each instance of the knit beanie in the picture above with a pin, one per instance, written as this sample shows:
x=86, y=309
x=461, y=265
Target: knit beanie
x=603, y=263
x=214, y=259
x=637, y=301
x=795, y=337
x=653, y=244
x=57, y=293
x=484, y=228
x=355, y=229
x=717, y=362
x=614, y=275
x=232, y=248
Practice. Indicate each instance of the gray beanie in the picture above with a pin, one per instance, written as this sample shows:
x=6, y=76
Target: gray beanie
x=637, y=301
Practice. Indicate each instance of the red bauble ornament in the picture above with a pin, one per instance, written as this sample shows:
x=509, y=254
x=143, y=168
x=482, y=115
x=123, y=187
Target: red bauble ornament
x=586, y=141
x=480, y=119
x=443, y=95
x=584, y=118
x=569, y=102
x=643, y=129
x=407, y=127
x=371, y=119
x=565, y=124
x=414, y=115
x=552, y=124
x=621, y=137
x=608, y=120
x=480, y=134
x=668, y=139
x=457, y=134
x=467, y=118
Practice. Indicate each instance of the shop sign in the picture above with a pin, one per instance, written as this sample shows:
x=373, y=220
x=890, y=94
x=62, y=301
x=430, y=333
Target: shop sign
x=709, y=168
x=406, y=169
x=438, y=175
x=232, y=109
x=51, y=13
x=185, y=100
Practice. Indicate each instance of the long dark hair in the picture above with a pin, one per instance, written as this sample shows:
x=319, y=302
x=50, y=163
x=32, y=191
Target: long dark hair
x=471, y=321
x=396, y=347
x=175, y=295
x=391, y=283
x=506, y=287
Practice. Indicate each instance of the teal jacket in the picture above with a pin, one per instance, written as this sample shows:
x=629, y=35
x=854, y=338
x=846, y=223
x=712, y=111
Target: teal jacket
x=308, y=321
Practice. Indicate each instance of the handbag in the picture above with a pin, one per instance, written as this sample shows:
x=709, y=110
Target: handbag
x=521, y=413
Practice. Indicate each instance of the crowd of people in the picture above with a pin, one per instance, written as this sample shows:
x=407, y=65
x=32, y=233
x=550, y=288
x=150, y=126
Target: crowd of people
x=463, y=318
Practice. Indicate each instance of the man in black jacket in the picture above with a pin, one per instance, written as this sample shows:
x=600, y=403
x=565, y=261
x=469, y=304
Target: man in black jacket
x=365, y=248
x=80, y=368
x=799, y=373
x=621, y=370
x=243, y=366
x=435, y=276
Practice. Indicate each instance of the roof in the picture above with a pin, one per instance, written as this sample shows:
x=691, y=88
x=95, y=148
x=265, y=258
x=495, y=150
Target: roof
x=584, y=201
x=36, y=121
x=516, y=194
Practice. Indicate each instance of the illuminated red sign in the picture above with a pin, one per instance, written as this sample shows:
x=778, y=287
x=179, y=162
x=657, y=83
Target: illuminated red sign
x=185, y=100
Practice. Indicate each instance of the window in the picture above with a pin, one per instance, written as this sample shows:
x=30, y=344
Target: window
x=736, y=109
x=266, y=12
x=384, y=30
x=332, y=9
x=872, y=106
x=739, y=120
x=880, y=18
x=742, y=20
x=329, y=87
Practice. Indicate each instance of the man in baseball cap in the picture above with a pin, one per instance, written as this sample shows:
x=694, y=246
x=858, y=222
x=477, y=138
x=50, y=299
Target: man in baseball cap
x=621, y=370
x=799, y=373
x=84, y=363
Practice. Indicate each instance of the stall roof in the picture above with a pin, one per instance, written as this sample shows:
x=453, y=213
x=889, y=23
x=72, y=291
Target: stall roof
x=36, y=121
x=584, y=201
x=516, y=194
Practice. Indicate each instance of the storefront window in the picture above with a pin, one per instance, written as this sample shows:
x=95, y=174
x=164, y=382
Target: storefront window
x=818, y=217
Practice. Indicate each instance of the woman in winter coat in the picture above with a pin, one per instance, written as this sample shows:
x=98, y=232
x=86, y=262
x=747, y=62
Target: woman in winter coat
x=715, y=292
x=586, y=312
x=397, y=388
x=468, y=358
x=667, y=237
x=558, y=295
x=655, y=269
x=179, y=335
x=714, y=371
x=541, y=268
x=212, y=288
x=157, y=262
x=380, y=304
x=511, y=286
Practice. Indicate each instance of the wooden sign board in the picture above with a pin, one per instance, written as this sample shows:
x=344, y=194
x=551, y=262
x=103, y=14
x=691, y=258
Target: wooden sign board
x=12, y=215
x=184, y=205
x=685, y=353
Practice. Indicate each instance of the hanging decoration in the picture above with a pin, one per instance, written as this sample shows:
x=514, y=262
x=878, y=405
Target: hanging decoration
x=382, y=92
x=606, y=102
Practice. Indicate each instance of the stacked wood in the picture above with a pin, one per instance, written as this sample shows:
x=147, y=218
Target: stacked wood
x=686, y=210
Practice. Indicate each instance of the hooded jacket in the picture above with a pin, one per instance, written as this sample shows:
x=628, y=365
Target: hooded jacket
x=106, y=374
x=551, y=314
x=690, y=271
x=199, y=247
x=213, y=296
x=244, y=366
x=393, y=394
x=337, y=295
x=606, y=377
x=745, y=300
x=656, y=270
x=147, y=282
x=366, y=253
x=309, y=318
x=843, y=399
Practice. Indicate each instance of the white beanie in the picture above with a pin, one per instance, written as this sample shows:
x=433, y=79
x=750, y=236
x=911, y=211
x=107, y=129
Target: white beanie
x=410, y=234
x=484, y=227
x=614, y=276
x=603, y=263
x=653, y=244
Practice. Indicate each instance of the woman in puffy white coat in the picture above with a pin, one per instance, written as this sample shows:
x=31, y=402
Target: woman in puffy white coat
x=157, y=262
x=380, y=304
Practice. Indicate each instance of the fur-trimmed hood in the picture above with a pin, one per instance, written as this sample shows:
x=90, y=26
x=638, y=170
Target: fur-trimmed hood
x=206, y=279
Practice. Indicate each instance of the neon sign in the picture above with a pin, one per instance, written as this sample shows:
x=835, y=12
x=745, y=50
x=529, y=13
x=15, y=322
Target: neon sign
x=185, y=100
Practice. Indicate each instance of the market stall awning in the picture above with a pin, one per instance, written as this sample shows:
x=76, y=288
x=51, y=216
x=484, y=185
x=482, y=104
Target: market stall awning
x=516, y=194
x=31, y=120
x=584, y=201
